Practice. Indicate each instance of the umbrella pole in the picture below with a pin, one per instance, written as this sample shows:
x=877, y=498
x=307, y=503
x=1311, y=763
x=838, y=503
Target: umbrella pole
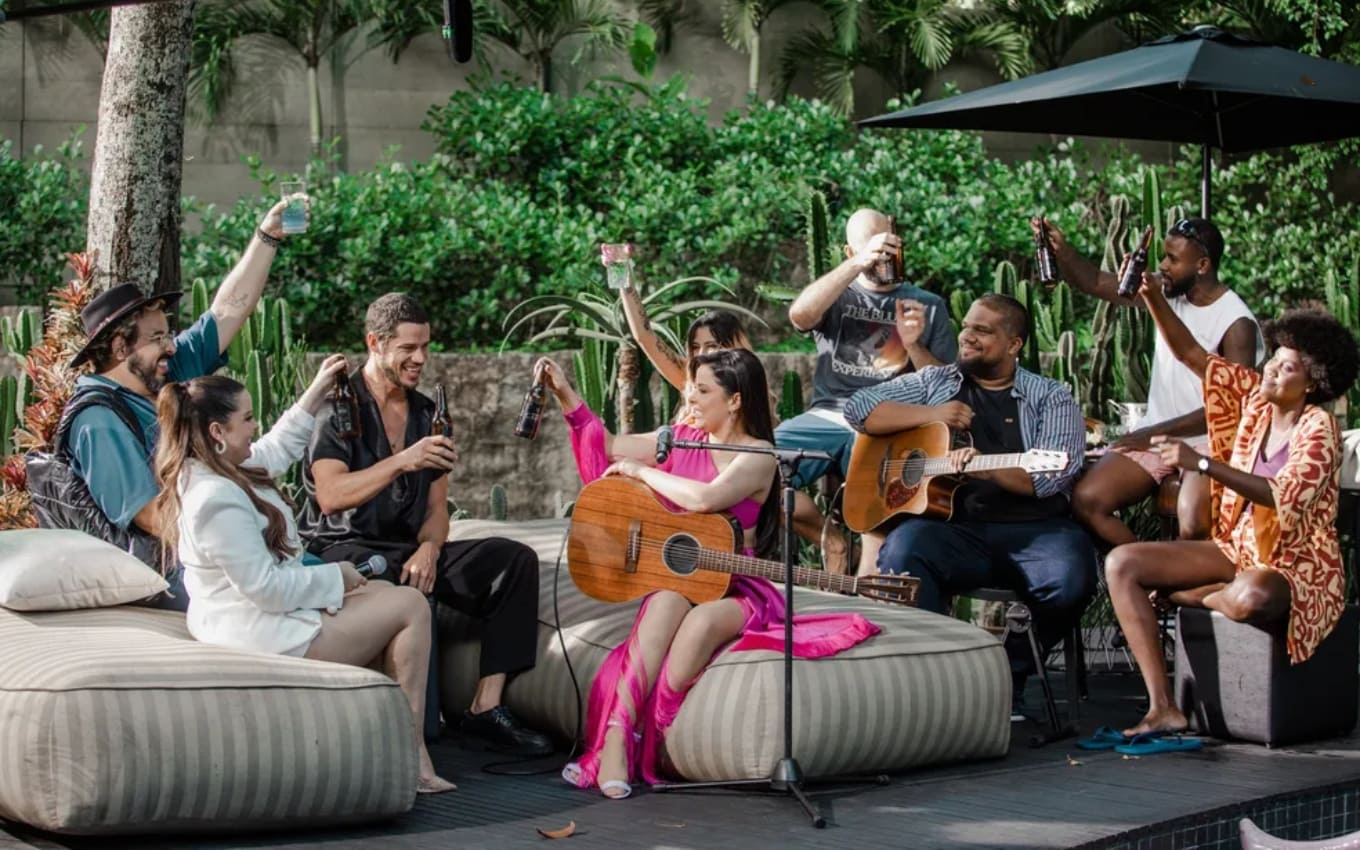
x=1206, y=168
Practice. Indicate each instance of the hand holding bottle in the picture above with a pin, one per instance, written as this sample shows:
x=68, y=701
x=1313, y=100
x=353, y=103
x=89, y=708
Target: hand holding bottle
x=879, y=249
x=315, y=395
x=555, y=380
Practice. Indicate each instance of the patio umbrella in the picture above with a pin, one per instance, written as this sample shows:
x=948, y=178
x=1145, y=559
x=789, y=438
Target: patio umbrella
x=1203, y=87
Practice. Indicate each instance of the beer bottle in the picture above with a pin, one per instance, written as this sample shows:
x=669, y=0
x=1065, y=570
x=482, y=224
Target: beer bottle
x=1045, y=261
x=891, y=269
x=441, y=425
x=346, y=407
x=1131, y=273
x=531, y=411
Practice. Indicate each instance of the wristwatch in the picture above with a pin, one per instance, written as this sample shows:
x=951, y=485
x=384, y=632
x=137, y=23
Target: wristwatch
x=1202, y=465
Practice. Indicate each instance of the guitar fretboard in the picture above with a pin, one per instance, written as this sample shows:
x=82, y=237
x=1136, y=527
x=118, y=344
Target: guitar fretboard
x=927, y=466
x=745, y=565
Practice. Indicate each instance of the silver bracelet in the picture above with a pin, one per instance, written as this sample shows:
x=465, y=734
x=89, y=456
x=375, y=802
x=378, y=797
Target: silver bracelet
x=271, y=241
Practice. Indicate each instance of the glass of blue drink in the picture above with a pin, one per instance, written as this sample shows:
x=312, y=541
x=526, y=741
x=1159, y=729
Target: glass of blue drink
x=295, y=214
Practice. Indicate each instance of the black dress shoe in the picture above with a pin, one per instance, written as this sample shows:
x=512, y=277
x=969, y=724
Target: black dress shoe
x=499, y=730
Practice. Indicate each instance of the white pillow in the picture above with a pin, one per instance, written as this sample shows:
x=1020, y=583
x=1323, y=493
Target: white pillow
x=44, y=569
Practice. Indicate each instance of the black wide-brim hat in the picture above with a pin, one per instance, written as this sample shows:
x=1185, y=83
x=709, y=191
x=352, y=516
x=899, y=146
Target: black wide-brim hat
x=109, y=307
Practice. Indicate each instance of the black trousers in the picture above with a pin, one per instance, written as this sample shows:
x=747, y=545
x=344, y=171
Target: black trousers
x=493, y=580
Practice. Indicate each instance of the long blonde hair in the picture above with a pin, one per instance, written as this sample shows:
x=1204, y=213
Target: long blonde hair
x=185, y=411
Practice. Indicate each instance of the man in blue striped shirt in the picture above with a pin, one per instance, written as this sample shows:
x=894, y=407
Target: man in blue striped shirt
x=1009, y=528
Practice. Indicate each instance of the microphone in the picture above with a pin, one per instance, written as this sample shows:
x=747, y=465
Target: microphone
x=458, y=28
x=665, y=441
x=376, y=565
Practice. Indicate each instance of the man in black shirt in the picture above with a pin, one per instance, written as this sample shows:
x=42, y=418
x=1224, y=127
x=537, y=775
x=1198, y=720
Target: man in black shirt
x=1010, y=528
x=386, y=492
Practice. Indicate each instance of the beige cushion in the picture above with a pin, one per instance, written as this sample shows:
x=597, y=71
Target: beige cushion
x=54, y=570
x=928, y=689
x=117, y=721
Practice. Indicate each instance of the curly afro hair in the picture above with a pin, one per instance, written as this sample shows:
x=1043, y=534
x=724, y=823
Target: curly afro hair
x=1327, y=348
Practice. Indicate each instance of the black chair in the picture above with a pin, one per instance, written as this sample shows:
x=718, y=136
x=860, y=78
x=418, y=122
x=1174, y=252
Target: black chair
x=1019, y=620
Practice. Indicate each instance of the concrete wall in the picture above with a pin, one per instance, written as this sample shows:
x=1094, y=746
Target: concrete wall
x=53, y=76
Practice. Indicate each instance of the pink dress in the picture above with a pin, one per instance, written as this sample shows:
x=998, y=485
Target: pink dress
x=814, y=635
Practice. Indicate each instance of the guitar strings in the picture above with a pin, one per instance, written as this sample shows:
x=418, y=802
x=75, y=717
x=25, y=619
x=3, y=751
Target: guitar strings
x=766, y=567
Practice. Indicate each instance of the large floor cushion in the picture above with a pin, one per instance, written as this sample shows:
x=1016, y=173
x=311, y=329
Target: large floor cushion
x=117, y=721
x=929, y=689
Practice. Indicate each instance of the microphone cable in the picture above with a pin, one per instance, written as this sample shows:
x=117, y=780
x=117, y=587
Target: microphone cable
x=499, y=768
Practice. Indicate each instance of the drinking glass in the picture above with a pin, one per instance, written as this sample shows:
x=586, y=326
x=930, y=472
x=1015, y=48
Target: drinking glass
x=295, y=214
x=618, y=263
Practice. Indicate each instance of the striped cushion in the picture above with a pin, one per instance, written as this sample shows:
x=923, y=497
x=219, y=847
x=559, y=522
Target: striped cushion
x=115, y=720
x=929, y=689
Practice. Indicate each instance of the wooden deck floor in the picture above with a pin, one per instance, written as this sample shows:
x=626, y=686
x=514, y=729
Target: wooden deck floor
x=1057, y=796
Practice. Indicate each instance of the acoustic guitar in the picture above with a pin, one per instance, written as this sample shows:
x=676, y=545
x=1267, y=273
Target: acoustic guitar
x=909, y=473
x=624, y=544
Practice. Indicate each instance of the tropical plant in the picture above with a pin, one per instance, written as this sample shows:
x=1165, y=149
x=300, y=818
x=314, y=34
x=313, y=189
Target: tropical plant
x=536, y=29
x=234, y=42
x=48, y=383
x=610, y=357
x=1052, y=27
x=901, y=41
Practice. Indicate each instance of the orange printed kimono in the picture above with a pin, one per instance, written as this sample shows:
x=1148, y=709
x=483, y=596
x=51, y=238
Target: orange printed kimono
x=1297, y=537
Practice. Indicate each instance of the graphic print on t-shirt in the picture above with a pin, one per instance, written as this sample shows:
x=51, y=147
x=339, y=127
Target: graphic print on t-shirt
x=867, y=344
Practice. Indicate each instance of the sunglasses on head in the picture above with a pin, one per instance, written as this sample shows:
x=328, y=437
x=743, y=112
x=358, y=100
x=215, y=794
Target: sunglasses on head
x=1189, y=230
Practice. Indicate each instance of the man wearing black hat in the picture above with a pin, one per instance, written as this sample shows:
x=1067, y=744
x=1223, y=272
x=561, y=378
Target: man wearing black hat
x=134, y=354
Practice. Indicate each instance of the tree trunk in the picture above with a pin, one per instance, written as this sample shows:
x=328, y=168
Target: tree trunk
x=134, y=222
x=627, y=386
x=545, y=73
x=314, y=109
x=753, y=69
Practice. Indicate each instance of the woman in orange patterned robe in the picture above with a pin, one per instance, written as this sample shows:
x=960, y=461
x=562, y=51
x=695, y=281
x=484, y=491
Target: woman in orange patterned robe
x=1275, y=478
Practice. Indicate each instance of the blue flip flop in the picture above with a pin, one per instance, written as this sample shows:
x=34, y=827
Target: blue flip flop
x=1104, y=738
x=1151, y=743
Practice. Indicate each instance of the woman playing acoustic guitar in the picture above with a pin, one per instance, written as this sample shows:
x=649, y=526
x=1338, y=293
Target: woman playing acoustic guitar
x=640, y=687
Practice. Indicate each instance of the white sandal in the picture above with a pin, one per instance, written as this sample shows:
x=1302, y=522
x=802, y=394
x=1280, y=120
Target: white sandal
x=616, y=789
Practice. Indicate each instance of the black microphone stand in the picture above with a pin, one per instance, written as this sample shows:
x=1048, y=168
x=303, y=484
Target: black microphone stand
x=787, y=777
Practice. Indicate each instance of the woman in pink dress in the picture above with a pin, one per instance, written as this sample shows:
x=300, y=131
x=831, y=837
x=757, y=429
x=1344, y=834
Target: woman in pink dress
x=640, y=687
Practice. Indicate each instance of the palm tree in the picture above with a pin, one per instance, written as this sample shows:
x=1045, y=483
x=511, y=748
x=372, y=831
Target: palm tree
x=742, y=21
x=901, y=41
x=260, y=36
x=1054, y=26
x=535, y=29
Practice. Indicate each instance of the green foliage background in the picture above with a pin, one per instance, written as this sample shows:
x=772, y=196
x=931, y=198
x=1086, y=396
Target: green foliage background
x=525, y=185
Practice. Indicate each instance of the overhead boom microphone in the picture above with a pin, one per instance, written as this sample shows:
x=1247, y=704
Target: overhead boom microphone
x=458, y=29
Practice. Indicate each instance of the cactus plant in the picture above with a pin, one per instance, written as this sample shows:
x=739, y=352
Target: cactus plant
x=790, y=396
x=9, y=413
x=257, y=383
x=19, y=334
x=820, y=258
x=499, y=502
x=198, y=298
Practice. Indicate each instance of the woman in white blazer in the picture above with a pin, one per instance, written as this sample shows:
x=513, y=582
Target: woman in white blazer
x=237, y=541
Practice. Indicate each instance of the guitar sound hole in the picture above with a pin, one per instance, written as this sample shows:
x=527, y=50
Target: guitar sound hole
x=912, y=465
x=680, y=554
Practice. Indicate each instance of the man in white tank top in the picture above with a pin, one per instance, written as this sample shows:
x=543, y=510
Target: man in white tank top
x=1221, y=322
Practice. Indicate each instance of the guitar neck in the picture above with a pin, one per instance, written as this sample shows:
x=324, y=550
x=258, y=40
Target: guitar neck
x=979, y=463
x=745, y=565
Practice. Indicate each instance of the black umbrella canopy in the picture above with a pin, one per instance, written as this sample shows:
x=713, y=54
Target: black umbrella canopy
x=1204, y=87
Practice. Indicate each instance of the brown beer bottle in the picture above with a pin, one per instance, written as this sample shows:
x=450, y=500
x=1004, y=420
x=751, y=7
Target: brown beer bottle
x=531, y=411
x=893, y=266
x=441, y=425
x=346, y=407
x=1131, y=273
x=1044, y=259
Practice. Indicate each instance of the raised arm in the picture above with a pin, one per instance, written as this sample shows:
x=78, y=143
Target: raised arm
x=1178, y=337
x=667, y=363
x=1085, y=275
x=807, y=309
x=286, y=442
x=241, y=289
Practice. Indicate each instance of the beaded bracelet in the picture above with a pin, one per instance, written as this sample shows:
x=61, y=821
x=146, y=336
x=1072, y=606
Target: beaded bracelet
x=271, y=241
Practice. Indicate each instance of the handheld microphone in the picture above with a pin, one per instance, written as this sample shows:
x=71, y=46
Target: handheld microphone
x=458, y=28
x=376, y=565
x=665, y=441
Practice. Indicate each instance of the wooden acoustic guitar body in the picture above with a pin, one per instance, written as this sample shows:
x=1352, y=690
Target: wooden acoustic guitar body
x=877, y=487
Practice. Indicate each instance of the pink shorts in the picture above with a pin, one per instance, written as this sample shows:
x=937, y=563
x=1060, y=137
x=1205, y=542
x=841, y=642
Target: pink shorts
x=1151, y=461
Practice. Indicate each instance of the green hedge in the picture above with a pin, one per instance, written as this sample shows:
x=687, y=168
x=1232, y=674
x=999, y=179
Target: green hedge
x=525, y=185
x=44, y=201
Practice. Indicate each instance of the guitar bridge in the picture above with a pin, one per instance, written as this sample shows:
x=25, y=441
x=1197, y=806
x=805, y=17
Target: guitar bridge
x=631, y=553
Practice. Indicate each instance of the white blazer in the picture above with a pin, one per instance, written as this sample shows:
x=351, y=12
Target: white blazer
x=240, y=594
